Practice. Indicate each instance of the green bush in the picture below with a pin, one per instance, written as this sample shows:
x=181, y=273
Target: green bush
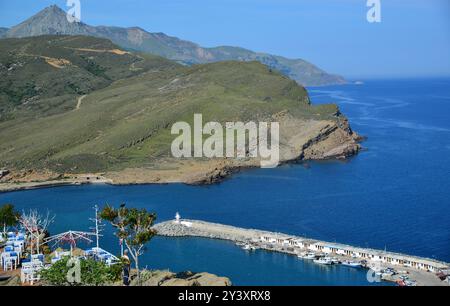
x=92, y=273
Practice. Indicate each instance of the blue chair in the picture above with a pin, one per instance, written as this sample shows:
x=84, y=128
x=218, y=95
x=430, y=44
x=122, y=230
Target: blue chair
x=9, y=248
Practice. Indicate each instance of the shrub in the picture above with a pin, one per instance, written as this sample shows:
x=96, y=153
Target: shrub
x=92, y=273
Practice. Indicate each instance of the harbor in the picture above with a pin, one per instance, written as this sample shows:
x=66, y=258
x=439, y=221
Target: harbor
x=404, y=270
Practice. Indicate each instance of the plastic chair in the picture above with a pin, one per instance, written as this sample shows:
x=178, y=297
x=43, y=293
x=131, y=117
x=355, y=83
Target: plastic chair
x=8, y=264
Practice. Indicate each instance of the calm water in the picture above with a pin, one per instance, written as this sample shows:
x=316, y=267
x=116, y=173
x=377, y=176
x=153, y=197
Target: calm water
x=393, y=195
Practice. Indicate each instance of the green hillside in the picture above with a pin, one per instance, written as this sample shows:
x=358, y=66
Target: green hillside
x=126, y=123
x=42, y=75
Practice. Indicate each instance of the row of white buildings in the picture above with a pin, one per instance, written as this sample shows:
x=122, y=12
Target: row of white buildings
x=371, y=255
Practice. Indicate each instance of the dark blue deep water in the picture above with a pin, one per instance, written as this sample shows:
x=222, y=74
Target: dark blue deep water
x=395, y=195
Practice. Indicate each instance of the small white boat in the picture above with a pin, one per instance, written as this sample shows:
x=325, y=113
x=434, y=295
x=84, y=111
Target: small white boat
x=246, y=247
x=323, y=261
x=305, y=255
x=249, y=247
x=310, y=256
x=352, y=264
x=334, y=260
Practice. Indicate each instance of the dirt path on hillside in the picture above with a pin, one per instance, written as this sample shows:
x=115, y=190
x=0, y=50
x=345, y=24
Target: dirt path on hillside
x=79, y=102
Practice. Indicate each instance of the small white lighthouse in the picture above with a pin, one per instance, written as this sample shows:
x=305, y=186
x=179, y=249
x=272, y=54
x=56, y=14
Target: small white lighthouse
x=177, y=218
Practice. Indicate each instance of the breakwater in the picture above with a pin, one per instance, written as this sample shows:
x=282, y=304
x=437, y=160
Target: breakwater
x=422, y=271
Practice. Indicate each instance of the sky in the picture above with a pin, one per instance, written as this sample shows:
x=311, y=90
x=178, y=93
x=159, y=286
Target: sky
x=412, y=39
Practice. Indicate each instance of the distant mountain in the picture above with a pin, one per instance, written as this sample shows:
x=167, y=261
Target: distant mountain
x=3, y=32
x=52, y=21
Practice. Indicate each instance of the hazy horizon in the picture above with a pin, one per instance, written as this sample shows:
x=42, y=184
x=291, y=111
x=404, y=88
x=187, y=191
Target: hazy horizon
x=411, y=41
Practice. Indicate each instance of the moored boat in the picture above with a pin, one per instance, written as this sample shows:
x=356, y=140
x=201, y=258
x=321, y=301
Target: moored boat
x=335, y=260
x=324, y=261
x=307, y=255
x=352, y=264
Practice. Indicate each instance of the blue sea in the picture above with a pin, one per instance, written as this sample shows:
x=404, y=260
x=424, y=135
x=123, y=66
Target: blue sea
x=393, y=195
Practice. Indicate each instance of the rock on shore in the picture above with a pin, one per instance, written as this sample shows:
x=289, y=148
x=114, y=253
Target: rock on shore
x=167, y=278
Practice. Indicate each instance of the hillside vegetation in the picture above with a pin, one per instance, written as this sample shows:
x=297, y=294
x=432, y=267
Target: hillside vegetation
x=130, y=105
x=43, y=75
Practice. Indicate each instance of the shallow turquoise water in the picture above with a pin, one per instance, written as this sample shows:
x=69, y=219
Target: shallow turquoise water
x=393, y=195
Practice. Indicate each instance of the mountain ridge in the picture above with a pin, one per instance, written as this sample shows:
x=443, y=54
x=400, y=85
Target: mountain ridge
x=52, y=21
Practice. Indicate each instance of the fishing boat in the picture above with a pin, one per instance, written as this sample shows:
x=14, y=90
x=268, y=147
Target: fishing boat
x=335, y=261
x=352, y=264
x=306, y=255
x=323, y=261
x=249, y=247
x=309, y=256
x=246, y=247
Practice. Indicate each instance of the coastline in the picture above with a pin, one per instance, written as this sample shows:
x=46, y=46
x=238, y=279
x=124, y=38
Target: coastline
x=11, y=187
x=293, y=245
x=319, y=141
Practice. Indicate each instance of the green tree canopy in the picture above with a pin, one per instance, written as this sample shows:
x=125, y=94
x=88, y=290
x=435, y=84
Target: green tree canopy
x=134, y=226
x=8, y=216
x=92, y=273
